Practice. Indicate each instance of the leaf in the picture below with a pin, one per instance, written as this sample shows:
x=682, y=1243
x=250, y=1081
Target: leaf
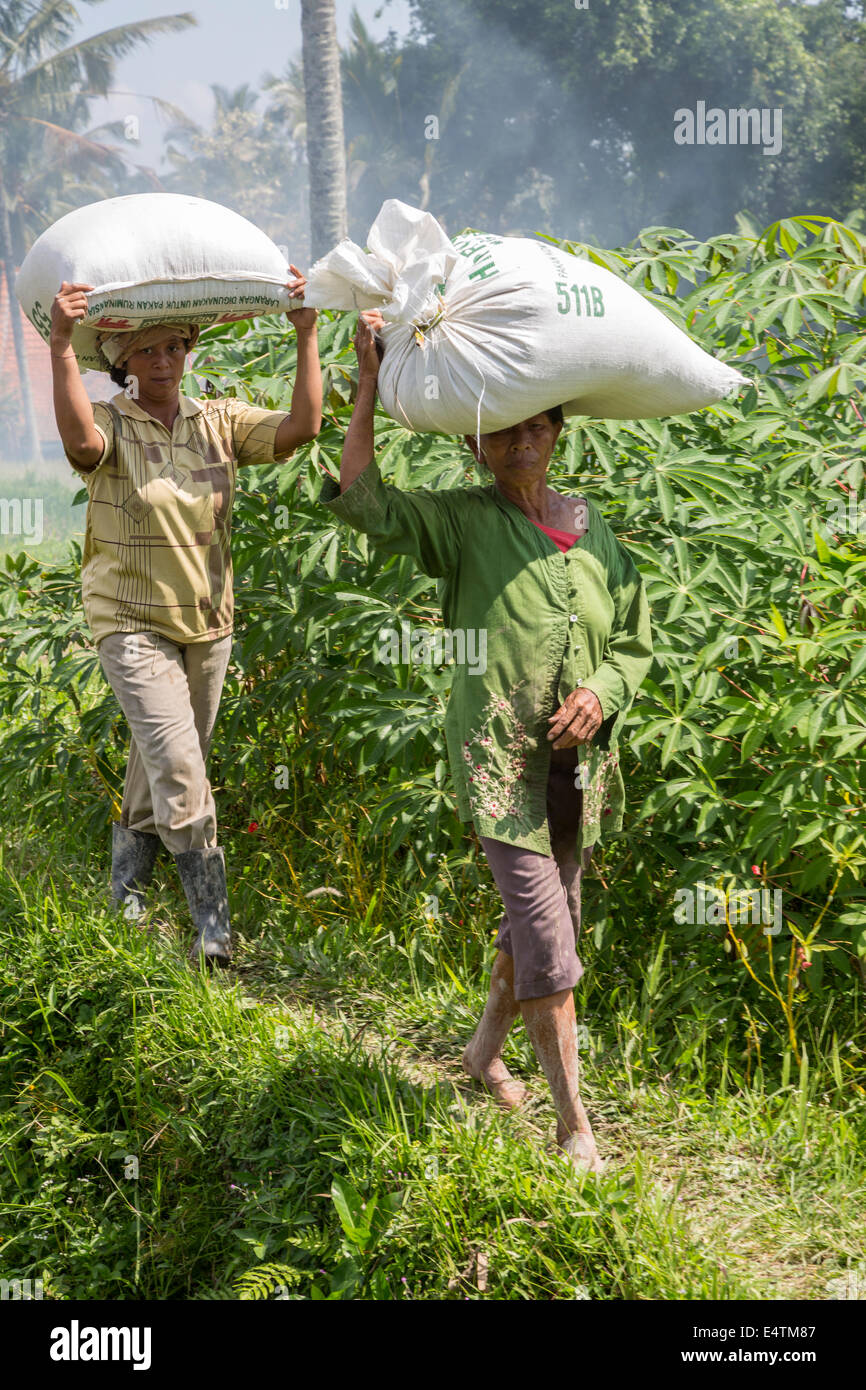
x=346, y=1278
x=822, y=550
x=752, y=739
x=447, y=968
x=858, y=663
x=349, y=1207
x=778, y=622
x=667, y=500
x=603, y=451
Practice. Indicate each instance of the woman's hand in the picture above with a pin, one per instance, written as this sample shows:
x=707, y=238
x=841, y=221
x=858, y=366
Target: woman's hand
x=368, y=351
x=578, y=720
x=301, y=318
x=68, y=309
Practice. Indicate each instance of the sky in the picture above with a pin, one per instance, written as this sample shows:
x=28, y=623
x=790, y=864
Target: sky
x=235, y=41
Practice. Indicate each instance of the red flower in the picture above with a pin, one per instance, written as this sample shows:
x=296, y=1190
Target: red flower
x=252, y=827
x=755, y=869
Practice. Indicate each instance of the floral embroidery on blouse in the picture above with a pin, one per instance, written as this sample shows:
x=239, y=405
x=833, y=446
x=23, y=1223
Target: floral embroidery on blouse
x=596, y=795
x=497, y=789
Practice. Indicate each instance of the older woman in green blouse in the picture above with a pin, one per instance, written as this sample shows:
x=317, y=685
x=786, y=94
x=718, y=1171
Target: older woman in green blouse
x=532, y=741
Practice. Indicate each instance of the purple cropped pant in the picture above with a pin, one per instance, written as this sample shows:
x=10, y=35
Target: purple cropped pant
x=541, y=893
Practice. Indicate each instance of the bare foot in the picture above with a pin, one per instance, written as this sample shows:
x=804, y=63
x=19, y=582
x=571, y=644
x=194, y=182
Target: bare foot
x=582, y=1151
x=506, y=1091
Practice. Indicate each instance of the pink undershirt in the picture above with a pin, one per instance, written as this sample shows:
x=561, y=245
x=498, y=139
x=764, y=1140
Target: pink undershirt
x=563, y=540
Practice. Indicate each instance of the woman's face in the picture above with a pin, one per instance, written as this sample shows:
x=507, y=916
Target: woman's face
x=158, y=369
x=521, y=454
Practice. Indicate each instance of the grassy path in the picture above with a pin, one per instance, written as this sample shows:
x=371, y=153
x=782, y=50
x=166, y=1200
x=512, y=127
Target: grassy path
x=302, y=1128
x=773, y=1221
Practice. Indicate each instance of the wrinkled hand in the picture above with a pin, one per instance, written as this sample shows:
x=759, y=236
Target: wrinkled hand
x=68, y=309
x=368, y=351
x=577, y=720
x=301, y=318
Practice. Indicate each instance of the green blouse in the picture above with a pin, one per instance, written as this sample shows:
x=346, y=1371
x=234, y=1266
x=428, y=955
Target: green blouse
x=553, y=621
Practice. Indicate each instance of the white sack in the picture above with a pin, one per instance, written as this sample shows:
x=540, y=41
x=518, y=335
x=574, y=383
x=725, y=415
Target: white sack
x=484, y=331
x=153, y=258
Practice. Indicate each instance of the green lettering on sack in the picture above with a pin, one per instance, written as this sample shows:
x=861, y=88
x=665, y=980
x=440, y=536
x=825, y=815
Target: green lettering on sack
x=41, y=319
x=484, y=272
x=594, y=304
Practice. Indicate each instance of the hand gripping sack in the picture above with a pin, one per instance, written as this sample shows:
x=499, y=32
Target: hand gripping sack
x=153, y=258
x=484, y=331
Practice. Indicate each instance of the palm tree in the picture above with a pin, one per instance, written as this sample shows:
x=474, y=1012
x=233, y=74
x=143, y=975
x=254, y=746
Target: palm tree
x=46, y=82
x=384, y=156
x=326, y=153
x=385, y=153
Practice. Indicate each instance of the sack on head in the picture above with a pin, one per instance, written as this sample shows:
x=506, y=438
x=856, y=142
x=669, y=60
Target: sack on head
x=153, y=258
x=483, y=331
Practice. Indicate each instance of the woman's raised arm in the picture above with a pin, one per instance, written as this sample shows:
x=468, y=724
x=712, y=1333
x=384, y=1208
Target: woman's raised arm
x=305, y=417
x=358, y=446
x=73, y=410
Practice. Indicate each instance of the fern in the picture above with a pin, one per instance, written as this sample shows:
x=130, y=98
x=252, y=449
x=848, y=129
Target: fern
x=267, y=1281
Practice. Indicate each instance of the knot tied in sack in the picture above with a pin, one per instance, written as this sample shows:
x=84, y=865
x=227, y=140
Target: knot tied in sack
x=408, y=260
x=424, y=327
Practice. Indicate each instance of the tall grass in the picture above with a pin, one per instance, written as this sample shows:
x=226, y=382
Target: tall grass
x=302, y=1129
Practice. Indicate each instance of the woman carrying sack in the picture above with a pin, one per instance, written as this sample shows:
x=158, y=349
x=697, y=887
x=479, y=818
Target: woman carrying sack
x=160, y=470
x=533, y=738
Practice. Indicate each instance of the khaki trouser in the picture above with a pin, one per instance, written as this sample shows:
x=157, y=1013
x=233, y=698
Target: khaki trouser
x=170, y=696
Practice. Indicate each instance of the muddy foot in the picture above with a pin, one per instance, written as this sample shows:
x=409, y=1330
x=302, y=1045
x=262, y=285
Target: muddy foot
x=506, y=1091
x=582, y=1151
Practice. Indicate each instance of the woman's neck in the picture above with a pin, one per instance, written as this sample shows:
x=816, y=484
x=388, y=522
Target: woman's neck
x=535, y=499
x=164, y=411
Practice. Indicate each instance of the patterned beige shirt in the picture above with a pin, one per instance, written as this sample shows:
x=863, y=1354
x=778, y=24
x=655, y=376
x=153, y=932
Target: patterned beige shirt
x=157, y=555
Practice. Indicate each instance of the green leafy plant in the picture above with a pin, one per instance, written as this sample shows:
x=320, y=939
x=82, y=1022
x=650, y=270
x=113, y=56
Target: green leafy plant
x=744, y=758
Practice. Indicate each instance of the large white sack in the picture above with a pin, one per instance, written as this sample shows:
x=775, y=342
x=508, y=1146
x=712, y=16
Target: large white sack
x=153, y=258
x=484, y=331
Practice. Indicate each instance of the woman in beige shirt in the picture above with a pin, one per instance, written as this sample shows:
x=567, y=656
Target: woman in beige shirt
x=160, y=471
